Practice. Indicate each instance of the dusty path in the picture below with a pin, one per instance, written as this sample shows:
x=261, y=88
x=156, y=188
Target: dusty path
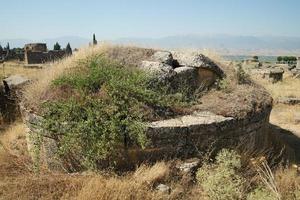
x=286, y=117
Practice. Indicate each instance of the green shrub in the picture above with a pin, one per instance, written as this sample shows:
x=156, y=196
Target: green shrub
x=242, y=76
x=109, y=114
x=224, y=85
x=220, y=180
x=261, y=194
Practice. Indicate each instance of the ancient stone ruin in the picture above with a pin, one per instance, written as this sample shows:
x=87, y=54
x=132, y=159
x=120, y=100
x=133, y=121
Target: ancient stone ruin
x=37, y=53
x=182, y=136
x=274, y=75
x=10, y=91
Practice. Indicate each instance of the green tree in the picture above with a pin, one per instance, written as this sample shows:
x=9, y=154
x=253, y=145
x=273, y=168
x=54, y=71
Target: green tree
x=255, y=57
x=279, y=58
x=285, y=58
x=1, y=49
x=68, y=49
x=7, y=46
x=56, y=46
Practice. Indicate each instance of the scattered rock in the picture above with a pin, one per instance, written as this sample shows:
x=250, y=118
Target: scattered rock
x=163, y=57
x=163, y=188
x=274, y=75
x=197, y=60
x=15, y=81
x=190, y=166
x=296, y=72
x=291, y=67
x=289, y=100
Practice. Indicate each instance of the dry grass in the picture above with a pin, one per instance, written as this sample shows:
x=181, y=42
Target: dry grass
x=140, y=185
x=13, y=68
x=13, y=139
x=287, y=117
x=122, y=54
x=289, y=87
x=239, y=102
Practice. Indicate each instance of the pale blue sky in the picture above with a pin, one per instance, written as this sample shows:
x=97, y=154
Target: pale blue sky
x=110, y=19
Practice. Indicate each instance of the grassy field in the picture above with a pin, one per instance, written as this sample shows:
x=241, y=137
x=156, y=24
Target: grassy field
x=285, y=116
x=13, y=68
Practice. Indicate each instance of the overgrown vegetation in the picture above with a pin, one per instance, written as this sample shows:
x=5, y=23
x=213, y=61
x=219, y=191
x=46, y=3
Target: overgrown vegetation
x=220, y=180
x=105, y=112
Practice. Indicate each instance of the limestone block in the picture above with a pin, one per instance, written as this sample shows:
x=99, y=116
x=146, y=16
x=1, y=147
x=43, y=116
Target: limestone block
x=165, y=57
x=197, y=60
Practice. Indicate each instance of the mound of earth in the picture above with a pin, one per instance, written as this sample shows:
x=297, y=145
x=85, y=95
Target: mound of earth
x=109, y=95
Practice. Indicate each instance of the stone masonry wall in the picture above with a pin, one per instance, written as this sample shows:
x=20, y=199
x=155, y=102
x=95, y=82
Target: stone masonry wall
x=181, y=137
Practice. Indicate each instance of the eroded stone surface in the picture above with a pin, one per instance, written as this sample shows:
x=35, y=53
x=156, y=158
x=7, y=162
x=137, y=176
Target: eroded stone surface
x=200, y=118
x=15, y=81
x=165, y=57
x=163, y=188
x=189, y=166
x=157, y=67
x=197, y=60
x=289, y=100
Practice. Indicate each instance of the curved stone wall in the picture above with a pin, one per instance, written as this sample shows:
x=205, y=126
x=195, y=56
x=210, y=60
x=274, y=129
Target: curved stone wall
x=181, y=137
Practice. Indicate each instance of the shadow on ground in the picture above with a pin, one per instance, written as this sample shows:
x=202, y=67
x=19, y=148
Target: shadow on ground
x=288, y=138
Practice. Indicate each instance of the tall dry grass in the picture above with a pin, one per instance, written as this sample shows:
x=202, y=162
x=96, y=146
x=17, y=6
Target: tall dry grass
x=289, y=87
x=140, y=185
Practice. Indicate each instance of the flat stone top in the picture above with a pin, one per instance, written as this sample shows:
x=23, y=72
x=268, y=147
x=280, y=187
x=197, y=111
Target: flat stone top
x=15, y=80
x=198, y=118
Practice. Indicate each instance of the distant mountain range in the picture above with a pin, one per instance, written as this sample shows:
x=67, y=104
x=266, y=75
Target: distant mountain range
x=223, y=44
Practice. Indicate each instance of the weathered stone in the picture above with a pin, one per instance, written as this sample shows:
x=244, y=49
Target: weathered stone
x=296, y=72
x=291, y=67
x=197, y=60
x=188, y=167
x=186, y=77
x=289, y=100
x=163, y=188
x=274, y=74
x=15, y=81
x=157, y=68
x=36, y=53
x=163, y=57
x=188, y=121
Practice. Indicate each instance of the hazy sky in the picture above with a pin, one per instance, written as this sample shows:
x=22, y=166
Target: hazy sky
x=110, y=19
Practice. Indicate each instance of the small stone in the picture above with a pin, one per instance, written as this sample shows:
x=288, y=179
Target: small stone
x=289, y=100
x=189, y=166
x=163, y=188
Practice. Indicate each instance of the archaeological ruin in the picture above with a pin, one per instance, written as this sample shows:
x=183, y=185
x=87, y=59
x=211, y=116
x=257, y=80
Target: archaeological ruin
x=37, y=53
x=189, y=134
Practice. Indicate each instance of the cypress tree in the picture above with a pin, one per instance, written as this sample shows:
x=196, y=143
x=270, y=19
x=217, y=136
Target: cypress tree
x=94, y=39
x=7, y=46
x=68, y=49
x=56, y=47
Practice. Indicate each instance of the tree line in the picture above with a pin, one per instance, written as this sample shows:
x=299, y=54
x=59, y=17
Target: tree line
x=287, y=59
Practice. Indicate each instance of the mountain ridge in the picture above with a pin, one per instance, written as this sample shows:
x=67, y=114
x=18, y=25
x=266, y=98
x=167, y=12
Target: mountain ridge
x=221, y=43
